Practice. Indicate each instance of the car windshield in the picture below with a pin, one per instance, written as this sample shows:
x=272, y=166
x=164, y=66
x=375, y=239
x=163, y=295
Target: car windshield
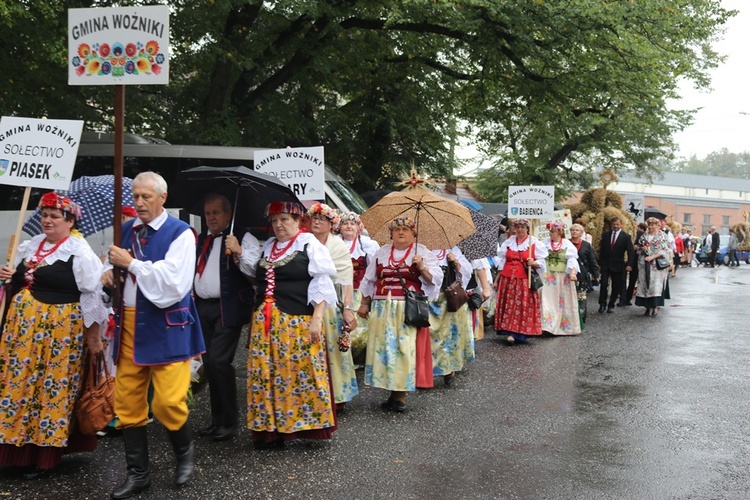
x=353, y=200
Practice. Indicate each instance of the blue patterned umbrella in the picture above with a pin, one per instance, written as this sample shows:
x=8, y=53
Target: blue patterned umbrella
x=96, y=196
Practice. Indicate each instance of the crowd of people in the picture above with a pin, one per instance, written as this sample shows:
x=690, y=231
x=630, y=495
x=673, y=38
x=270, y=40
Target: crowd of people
x=316, y=284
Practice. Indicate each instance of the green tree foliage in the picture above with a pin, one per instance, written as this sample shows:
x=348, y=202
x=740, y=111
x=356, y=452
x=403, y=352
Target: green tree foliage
x=552, y=89
x=719, y=163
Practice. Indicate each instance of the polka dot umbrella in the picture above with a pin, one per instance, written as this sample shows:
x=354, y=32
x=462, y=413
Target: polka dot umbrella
x=96, y=196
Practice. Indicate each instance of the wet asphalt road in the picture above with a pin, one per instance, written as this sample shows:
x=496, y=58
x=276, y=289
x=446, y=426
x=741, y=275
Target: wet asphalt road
x=635, y=407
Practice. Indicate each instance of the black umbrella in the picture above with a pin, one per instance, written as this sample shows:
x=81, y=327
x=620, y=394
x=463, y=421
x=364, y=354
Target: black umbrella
x=654, y=212
x=249, y=191
x=483, y=243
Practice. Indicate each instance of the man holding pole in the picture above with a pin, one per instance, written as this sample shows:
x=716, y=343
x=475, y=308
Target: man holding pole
x=157, y=331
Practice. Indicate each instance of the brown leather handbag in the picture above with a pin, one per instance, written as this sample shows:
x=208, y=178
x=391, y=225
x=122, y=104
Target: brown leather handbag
x=95, y=407
x=455, y=294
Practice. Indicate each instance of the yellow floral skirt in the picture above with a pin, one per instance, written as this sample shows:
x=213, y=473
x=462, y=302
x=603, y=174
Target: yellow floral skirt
x=41, y=365
x=288, y=386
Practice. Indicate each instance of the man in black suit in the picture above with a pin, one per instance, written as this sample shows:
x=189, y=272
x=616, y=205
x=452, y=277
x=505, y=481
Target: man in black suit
x=712, y=244
x=614, y=246
x=224, y=298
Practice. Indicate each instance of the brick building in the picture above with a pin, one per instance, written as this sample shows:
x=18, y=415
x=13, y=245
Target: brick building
x=696, y=201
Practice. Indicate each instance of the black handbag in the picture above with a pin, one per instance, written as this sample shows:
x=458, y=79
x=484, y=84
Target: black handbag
x=416, y=306
x=662, y=263
x=536, y=281
x=475, y=299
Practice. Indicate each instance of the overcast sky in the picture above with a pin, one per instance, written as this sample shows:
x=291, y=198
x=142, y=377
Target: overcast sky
x=720, y=123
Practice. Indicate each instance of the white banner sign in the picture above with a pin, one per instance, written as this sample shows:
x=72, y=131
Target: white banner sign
x=633, y=203
x=38, y=153
x=531, y=202
x=302, y=169
x=118, y=46
x=540, y=227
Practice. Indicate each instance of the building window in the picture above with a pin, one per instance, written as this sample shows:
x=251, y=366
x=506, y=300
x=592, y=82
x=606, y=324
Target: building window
x=706, y=190
x=704, y=230
x=707, y=219
x=725, y=220
x=686, y=218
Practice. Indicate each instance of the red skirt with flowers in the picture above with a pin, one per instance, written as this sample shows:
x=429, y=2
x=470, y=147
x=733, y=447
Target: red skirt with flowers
x=518, y=308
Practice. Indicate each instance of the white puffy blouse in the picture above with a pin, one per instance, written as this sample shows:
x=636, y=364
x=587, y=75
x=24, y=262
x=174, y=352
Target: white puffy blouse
x=87, y=270
x=321, y=267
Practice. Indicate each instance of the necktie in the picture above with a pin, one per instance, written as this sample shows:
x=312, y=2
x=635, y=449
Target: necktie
x=208, y=243
x=614, y=237
x=140, y=239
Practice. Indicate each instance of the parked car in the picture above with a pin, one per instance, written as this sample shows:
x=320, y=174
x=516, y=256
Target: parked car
x=722, y=257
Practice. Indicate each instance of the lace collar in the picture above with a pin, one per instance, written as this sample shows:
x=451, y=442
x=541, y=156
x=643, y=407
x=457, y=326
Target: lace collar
x=72, y=246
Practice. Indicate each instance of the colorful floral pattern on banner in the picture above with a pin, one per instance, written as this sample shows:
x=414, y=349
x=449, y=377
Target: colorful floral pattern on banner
x=118, y=59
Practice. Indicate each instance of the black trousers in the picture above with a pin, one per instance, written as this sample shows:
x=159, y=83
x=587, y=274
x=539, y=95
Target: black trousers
x=221, y=345
x=617, y=283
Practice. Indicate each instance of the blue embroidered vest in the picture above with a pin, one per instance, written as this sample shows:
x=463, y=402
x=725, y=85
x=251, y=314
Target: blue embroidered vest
x=166, y=335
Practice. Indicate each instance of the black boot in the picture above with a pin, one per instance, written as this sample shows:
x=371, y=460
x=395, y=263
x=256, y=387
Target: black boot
x=182, y=443
x=136, y=456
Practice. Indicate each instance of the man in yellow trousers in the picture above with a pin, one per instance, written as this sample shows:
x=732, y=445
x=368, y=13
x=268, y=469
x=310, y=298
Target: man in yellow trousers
x=158, y=331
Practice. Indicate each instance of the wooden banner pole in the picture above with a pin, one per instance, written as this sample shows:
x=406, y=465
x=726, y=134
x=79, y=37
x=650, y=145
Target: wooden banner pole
x=13, y=248
x=117, y=167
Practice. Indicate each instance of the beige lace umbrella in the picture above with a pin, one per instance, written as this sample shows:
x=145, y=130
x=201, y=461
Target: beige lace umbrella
x=441, y=223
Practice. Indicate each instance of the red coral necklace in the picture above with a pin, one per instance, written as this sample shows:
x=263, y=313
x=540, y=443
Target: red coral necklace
x=39, y=257
x=277, y=252
x=393, y=263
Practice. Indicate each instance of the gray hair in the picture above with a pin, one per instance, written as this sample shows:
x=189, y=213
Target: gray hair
x=577, y=226
x=226, y=205
x=156, y=180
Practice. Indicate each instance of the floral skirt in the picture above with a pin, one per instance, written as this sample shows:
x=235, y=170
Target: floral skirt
x=452, y=337
x=41, y=365
x=518, y=309
x=398, y=356
x=288, y=386
x=340, y=364
x=560, y=314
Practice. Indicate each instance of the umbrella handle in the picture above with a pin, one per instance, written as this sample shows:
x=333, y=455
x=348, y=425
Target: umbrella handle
x=234, y=213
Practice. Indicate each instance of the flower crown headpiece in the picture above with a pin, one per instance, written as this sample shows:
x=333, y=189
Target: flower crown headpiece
x=522, y=222
x=352, y=217
x=60, y=202
x=652, y=219
x=327, y=212
x=402, y=221
x=556, y=225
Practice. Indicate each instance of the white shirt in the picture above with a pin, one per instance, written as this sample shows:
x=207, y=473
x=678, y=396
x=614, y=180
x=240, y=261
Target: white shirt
x=166, y=282
x=207, y=285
